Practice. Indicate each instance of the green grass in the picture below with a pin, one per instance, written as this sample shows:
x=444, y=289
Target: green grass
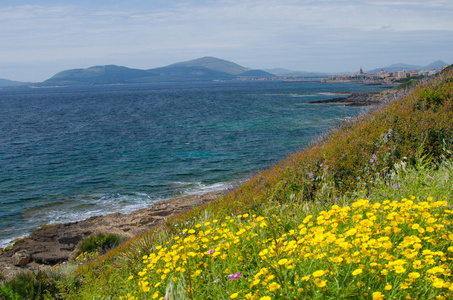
x=283, y=248
x=392, y=166
x=99, y=243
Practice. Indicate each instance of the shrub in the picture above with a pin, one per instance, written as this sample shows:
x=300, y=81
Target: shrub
x=100, y=243
x=28, y=285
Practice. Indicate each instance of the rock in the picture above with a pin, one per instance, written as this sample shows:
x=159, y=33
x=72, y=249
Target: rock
x=51, y=257
x=354, y=99
x=50, y=245
x=20, y=259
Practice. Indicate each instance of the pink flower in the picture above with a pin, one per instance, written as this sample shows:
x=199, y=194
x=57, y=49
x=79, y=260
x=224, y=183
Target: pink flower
x=235, y=276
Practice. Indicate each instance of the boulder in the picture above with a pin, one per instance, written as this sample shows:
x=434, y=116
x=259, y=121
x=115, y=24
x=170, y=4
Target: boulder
x=20, y=259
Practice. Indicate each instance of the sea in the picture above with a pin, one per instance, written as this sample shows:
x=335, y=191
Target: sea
x=69, y=153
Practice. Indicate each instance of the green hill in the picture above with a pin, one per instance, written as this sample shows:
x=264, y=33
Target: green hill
x=177, y=73
x=203, y=69
x=256, y=74
x=215, y=64
x=99, y=75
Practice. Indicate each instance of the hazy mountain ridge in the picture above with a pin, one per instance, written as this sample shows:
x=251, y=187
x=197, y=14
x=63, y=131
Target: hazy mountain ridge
x=100, y=75
x=174, y=73
x=291, y=73
x=202, y=69
x=257, y=74
x=215, y=64
x=438, y=64
x=7, y=82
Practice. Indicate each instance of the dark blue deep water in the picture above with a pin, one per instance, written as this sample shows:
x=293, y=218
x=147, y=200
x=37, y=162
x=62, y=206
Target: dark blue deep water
x=70, y=153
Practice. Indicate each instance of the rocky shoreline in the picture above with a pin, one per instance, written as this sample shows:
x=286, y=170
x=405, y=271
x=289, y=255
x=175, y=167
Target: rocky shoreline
x=55, y=244
x=355, y=99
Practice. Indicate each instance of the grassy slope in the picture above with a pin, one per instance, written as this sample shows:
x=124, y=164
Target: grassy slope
x=348, y=162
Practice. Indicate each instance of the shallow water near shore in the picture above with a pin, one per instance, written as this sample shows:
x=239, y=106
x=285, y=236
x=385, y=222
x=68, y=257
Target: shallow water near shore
x=70, y=153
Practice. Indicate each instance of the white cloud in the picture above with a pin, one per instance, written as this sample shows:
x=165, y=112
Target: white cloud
x=269, y=33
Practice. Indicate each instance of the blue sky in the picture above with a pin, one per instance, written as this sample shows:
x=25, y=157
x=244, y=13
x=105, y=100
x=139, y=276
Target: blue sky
x=41, y=38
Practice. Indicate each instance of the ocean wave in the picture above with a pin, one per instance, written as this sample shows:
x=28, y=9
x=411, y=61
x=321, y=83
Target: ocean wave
x=9, y=242
x=292, y=95
x=98, y=204
x=333, y=94
x=201, y=188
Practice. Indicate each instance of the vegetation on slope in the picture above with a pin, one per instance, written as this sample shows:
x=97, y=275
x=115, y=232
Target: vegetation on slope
x=260, y=242
x=376, y=249
x=353, y=158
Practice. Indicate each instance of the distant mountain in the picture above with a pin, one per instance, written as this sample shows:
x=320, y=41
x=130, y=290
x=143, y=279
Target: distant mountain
x=99, y=75
x=401, y=67
x=256, y=74
x=6, y=82
x=279, y=71
x=215, y=64
x=202, y=69
x=290, y=73
x=438, y=64
x=175, y=73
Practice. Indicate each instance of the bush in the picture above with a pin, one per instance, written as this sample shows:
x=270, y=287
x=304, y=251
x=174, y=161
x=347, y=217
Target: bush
x=28, y=285
x=100, y=243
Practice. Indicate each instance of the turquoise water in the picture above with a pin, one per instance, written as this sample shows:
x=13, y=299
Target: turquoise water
x=70, y=153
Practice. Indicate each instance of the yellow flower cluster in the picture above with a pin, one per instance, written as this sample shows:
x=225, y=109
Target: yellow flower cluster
x=399, y=249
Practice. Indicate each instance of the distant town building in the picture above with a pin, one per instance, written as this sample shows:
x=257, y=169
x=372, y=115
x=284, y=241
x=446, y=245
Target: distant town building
x=382, y=77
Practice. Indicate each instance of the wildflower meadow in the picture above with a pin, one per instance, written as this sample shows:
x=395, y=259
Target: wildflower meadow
x=384, y=250
x=365, y=212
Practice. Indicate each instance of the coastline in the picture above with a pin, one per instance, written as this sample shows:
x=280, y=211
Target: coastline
x=55, y=244
x=354, y=99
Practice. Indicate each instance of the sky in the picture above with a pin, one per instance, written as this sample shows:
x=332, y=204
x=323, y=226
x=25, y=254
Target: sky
x=41, y=38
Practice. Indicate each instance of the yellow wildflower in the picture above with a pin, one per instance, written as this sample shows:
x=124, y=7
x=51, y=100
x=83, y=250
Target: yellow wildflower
x=357, y=272
x=378, y=296
x=318, y=273
x=273, y=286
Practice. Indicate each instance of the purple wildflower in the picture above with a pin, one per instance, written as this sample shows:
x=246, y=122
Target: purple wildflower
x=235, y=276
x=395, y=186
x=210, y=251
x=311, y=175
